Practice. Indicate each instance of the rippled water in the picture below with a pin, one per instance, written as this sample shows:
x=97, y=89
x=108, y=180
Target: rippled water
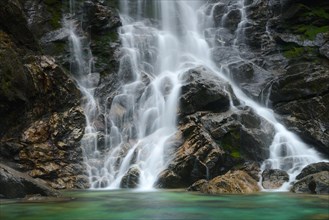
x=169, y=205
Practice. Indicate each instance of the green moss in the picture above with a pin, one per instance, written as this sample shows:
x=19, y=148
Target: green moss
x=317, y=12
x=321, y=12
x=103, y=51
x=59, y=47
x=294, y=51
x=310, y=31
x=231, y=144
x=54, y=7
x=236, y=154
x=105, y=40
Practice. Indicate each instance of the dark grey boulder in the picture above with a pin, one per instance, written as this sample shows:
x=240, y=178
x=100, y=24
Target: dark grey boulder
x=312, y=169
x=15, y=184
x=317, y=183
x=202, y=90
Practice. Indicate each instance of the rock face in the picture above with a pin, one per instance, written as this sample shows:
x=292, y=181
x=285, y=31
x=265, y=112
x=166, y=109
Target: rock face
x=304, y=79
x=283, y=61
x=41, y=118
x=280, y=61
x=231, y=182
x=17, y=185
x=214, y=139
x=273, y=179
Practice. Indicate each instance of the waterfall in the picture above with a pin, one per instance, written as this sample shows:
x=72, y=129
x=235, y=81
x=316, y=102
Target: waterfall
x=161, y=40
x=287, y=151
x=141, y=120
x=82, y=69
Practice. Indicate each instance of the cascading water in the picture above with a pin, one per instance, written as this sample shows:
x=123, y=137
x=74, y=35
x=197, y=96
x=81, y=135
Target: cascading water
x=82, y=68
x=287, y=151
x=142, y=118
x=161, y=40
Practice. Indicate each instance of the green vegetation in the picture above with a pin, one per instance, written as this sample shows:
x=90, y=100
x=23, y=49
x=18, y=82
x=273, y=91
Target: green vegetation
x=295, y=51
x=310, y=31
x=102, y=49
x=54, y=7
x=231, y=144
x=308, y=21
x=316, y=12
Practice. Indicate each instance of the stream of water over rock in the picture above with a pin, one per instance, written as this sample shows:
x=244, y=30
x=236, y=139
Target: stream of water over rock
x=162, y=40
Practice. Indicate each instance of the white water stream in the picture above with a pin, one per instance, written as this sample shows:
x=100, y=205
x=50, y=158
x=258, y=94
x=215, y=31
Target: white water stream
x=142, y=118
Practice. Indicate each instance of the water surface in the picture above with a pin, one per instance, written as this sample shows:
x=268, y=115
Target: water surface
x=125, y=204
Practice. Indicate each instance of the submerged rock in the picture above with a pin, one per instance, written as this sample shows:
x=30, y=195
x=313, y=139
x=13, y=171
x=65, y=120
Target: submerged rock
x=15, y=184
x=274, y=178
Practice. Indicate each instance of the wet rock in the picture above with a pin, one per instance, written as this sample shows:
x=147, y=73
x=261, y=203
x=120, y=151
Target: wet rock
x=311, y=122
x=232, y=19
x=198, y=185
x=15, y=184
x=197, y=157
x=312, y=169
x=250, y=77
x=203, y=91
x=169, y=179
x=274, y=178
x=324, y=50
x=309, y=82
x=126, y=71
x=100, y=17
x=214, y=143
x=256, y=135
x=131, y=178
x=231, y=182
x=224, y=55
x=218, y=12
x=317, y=183
x=304, y=85
x=252, y=168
